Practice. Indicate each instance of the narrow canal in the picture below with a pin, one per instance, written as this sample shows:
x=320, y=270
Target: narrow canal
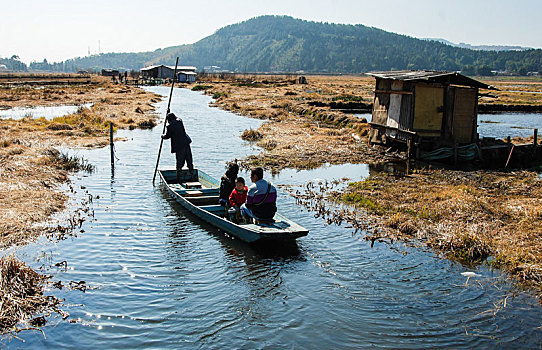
x=158, y=277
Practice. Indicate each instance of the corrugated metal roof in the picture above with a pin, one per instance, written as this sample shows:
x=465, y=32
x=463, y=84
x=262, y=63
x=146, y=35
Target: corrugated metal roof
x=149, y=67
x=431, y=76
x=179, y=68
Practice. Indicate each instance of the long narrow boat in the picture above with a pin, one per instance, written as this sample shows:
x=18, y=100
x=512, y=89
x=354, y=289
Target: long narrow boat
x=201, y=198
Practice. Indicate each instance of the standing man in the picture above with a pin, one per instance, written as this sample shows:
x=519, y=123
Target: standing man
x=261, y=198
x=180, y=144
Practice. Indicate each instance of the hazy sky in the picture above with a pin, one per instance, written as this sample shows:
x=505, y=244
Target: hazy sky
x=62, y=29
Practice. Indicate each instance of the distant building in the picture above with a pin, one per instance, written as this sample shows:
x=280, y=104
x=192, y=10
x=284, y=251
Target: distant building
x=110, y=72
x=425, y=109
x=165, y=72
x=186, y=76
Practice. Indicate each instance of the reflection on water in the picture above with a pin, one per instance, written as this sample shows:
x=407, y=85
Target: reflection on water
x=47, y=112
x=160, y=277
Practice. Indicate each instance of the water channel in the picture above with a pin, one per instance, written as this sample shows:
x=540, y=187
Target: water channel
x=158, y=277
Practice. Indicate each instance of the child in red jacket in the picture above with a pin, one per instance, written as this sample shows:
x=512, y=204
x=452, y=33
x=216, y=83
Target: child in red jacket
x=237, y=197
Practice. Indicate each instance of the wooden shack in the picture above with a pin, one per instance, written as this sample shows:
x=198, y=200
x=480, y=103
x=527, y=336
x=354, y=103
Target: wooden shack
x=164, y=72
x=187, y=76
x=425, y=110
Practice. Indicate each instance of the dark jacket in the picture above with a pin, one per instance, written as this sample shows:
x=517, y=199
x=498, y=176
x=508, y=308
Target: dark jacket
x=177, y=134
x=227, y=184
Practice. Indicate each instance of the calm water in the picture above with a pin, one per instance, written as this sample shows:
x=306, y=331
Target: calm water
x=48, y=112
x=501, y=125
x=159, y=277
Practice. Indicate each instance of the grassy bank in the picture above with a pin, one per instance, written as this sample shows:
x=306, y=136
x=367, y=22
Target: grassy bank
x=478, y=216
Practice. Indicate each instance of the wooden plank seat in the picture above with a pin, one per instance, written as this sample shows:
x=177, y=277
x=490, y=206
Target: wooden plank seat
x=193, y=193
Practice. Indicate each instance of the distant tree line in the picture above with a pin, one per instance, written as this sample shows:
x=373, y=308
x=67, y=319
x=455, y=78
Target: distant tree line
x=13, y=63
x=285, y=44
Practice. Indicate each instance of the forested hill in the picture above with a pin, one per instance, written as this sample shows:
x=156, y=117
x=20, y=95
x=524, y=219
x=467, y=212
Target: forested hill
x=286, y=44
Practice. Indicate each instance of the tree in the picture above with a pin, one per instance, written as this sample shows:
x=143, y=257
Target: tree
x=484, y=71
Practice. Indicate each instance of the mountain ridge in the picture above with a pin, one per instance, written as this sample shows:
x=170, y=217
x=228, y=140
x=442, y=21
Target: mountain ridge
x=286, y=44
x=481, y=47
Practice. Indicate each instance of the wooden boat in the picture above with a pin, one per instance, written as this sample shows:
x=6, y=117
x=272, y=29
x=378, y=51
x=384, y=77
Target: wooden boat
x=201, y=198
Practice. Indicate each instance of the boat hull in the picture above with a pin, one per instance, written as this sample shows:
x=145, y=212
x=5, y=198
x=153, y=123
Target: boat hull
x=205, y=205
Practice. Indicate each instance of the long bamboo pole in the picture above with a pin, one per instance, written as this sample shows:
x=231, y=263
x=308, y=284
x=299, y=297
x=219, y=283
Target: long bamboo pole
x=165, y=120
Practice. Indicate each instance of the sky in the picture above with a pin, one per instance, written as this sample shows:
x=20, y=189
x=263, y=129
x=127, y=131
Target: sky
x=57, y=30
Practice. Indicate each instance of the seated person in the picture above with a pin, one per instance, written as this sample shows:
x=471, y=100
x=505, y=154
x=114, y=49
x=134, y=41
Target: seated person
x=237, y=198
x=227, y=184
x=261, y=198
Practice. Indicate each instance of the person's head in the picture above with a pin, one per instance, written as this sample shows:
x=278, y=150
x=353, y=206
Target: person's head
x=233, y=169
x=171, y=117
x=240, y=184
x=256, y=174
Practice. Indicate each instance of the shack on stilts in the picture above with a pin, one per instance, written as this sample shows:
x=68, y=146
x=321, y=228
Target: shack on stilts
x=432, y=115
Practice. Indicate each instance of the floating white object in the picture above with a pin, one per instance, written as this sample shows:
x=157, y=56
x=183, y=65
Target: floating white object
x=470, y=274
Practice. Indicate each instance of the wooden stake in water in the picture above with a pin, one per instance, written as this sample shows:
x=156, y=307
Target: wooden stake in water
x=111, y=146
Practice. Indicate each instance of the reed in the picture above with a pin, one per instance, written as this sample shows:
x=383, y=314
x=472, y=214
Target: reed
x=21, y=295
x=69, y=163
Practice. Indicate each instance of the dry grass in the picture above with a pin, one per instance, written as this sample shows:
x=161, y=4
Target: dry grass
x=28, y=196
x=514, y=93
x=299, y=134
x=303, y=131
x=31, y=171
x=21, y=295
x=251, y=135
